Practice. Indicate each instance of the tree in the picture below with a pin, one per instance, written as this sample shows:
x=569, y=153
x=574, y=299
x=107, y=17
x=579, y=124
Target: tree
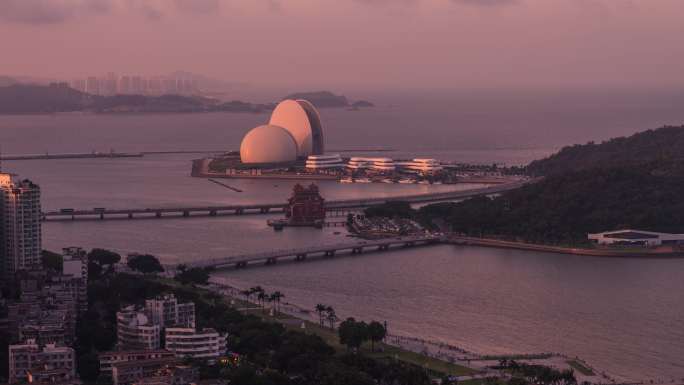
x=104, y=257
x=52, y=261
x=145, y=263
x=376, y=333
x=320, y=309
x=195, y=275
x=331, y=317
x=276, y=297
x=88, y=366
x=352, y=333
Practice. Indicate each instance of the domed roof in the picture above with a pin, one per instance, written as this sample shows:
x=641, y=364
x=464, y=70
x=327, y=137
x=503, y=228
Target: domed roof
x=301, y=119
x=268, y=144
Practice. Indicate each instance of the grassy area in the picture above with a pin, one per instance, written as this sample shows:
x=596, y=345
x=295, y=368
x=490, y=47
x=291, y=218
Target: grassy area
x=382, y=351
x=580, y=367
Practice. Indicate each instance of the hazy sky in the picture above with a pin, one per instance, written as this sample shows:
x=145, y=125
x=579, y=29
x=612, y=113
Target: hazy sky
x=352, y=43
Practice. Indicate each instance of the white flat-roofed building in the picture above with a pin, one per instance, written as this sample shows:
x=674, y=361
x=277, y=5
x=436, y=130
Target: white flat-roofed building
x=421, y=165
x=317, y=162
x=636, y=237
x=357, y=163
x=205, y=344
x=167, y=311
x=376, y=164
x=135, y=329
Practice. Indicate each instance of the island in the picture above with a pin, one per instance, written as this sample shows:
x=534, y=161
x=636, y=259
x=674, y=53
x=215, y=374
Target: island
x=624, y=183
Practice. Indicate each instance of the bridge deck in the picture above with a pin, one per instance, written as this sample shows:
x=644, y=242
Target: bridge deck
x=302, y=253
x=159, y=212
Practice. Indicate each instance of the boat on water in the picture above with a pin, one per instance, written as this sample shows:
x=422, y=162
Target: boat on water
x=346, y=180
x=407, y=181
x=362, y=180
x=387, y=180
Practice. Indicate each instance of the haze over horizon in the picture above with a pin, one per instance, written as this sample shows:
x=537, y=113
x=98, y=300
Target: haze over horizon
x=353, y=44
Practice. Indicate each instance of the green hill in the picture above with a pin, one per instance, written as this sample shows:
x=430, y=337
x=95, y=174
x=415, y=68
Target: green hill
x=666, y=143
x=635, y=182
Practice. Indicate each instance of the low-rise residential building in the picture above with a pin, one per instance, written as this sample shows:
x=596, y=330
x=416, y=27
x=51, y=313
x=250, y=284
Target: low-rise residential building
x=168, y=371
x=108, y=359
x=29, y=357
x=207, y=344
x=135, y=330
x=167, y=311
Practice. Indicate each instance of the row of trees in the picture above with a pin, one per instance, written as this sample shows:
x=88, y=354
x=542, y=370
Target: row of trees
x=327, y=314
x=536, y=374
x=263, y=297
x=353, y=333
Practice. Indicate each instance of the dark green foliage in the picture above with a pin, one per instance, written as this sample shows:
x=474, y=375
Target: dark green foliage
x=376, y=333
x=104, y=257
x=145, y=263
x=353, y=333
x=88, y=367
x=390, y=209
x=537, y=374
x=663, y=144
x=4, y=355
x=51, y=261
x=562, y=209
x=195, y=275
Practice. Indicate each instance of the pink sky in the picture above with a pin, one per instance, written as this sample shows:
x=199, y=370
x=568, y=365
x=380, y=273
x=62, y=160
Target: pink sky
x=352, y=43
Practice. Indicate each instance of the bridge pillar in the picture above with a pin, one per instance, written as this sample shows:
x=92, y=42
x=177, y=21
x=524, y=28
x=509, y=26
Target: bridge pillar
x=264, y=210
x=130, y=215
x=271, y=261
x=239, y=211
x=73, y=217
x=330, y=253
x=300, y=257
x=158, y=214
x=212, y=213
x=186, y=213
x=101, y=216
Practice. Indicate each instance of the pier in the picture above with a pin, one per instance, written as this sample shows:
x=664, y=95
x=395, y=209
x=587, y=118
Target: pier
x=301, y=254
x=332, y=207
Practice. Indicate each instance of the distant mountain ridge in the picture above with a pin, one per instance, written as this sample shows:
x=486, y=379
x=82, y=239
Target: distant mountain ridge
x=663, y=144
x=58, y=97
x=327, y=99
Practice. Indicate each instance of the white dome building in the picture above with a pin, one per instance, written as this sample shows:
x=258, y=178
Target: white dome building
x=301, y=119
x=268, y=144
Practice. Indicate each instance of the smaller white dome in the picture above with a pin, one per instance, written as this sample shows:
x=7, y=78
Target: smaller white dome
x=268, y=144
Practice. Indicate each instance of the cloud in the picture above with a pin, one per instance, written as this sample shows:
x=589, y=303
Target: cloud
x=59, y=11
x=486, y=3
x=49, y=11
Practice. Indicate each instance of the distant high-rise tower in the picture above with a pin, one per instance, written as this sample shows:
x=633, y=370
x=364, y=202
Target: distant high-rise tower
x=20, y=235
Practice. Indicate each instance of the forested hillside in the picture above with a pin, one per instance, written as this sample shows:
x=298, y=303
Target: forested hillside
x=562, y=209
x=666, y=143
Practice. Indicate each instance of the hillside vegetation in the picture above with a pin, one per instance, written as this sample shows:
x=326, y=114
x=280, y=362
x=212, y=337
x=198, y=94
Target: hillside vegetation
x=635, y=182
x=663, y=144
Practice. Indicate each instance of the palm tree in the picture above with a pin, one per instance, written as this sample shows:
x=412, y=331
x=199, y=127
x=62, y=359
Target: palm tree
x=262, y=298
x=331, y=317
x=276, y=296
x=321, y=309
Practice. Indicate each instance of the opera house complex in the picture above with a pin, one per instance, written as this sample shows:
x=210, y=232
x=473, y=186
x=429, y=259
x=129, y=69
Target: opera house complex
x=292, y=146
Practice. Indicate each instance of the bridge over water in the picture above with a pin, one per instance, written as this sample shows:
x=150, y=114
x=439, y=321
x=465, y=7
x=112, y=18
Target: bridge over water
x=300, y=254
x=103, y=213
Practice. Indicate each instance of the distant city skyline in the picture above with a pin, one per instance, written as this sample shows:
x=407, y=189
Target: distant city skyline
x=359, y=44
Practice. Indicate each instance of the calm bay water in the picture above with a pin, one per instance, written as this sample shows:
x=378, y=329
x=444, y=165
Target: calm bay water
x=622, y=315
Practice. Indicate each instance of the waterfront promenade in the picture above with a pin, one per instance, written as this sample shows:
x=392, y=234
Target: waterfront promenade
x=103, y=213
